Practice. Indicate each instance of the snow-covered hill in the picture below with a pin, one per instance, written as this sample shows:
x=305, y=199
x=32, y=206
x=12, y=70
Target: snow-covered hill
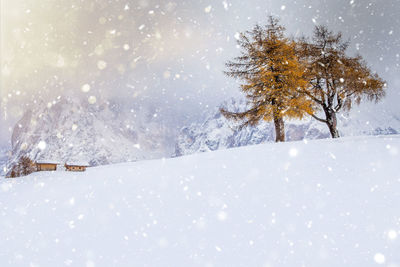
x=216, y=132
x=319, y=203
x=74, y=130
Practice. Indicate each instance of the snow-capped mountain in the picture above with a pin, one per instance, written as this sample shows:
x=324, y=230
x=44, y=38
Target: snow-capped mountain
x=74, y=130
x=216, y=132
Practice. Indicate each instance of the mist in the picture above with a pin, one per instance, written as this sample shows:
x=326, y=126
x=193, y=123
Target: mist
x=166, y=57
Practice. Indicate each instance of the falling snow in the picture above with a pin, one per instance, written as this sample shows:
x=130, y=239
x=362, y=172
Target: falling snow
x=379, y=258
x=92, y=99
x=42, y=145
x=101, y=65
x=85, y=88
x=123, y=81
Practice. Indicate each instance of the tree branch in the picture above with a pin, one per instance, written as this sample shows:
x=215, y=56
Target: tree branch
x=318, y=119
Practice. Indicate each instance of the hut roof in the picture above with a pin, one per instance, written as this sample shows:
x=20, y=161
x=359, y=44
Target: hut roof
x=77, y=164
x=47, y=162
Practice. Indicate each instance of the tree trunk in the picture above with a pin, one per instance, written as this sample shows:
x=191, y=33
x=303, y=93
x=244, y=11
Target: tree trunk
x=279, y=129
x=332, y=122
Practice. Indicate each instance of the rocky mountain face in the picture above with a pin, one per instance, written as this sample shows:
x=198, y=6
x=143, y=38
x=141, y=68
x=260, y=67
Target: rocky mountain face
x=216, y=132
x=76, y=131
x=3, y=160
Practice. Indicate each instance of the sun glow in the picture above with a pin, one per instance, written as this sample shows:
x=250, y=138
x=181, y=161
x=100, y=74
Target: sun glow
x=51, y=47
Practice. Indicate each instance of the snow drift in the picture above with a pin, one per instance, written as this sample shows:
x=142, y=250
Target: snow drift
x=318, y=203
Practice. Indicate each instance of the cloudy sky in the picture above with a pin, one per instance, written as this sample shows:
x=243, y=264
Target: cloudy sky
x=169, y=55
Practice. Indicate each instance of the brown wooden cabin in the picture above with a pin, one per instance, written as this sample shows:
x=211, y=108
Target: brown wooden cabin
x=46, y=166
x=75, y=167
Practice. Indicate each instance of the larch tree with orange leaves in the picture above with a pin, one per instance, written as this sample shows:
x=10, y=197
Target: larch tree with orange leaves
x=272, y=78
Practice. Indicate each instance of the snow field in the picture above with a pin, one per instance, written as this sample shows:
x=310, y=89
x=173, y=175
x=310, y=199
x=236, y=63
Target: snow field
x=316, y=203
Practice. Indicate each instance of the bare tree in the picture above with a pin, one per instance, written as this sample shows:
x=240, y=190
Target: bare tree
x=336, y=81
x=23, y=167
x=26, y=166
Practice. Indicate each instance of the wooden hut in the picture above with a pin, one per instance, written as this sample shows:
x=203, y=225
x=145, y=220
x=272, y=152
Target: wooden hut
x=46, y=165
x=76, y=167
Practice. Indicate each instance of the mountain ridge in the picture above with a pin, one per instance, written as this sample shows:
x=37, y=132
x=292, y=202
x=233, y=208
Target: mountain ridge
x=73, y=130
x=216, y=132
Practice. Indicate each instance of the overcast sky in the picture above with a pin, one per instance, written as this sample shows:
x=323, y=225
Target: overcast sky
x=167, y=55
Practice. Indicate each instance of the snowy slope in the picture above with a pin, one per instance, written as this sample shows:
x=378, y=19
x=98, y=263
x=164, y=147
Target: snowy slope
x=322, y=203
x=73, y=130
x=216, y=132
